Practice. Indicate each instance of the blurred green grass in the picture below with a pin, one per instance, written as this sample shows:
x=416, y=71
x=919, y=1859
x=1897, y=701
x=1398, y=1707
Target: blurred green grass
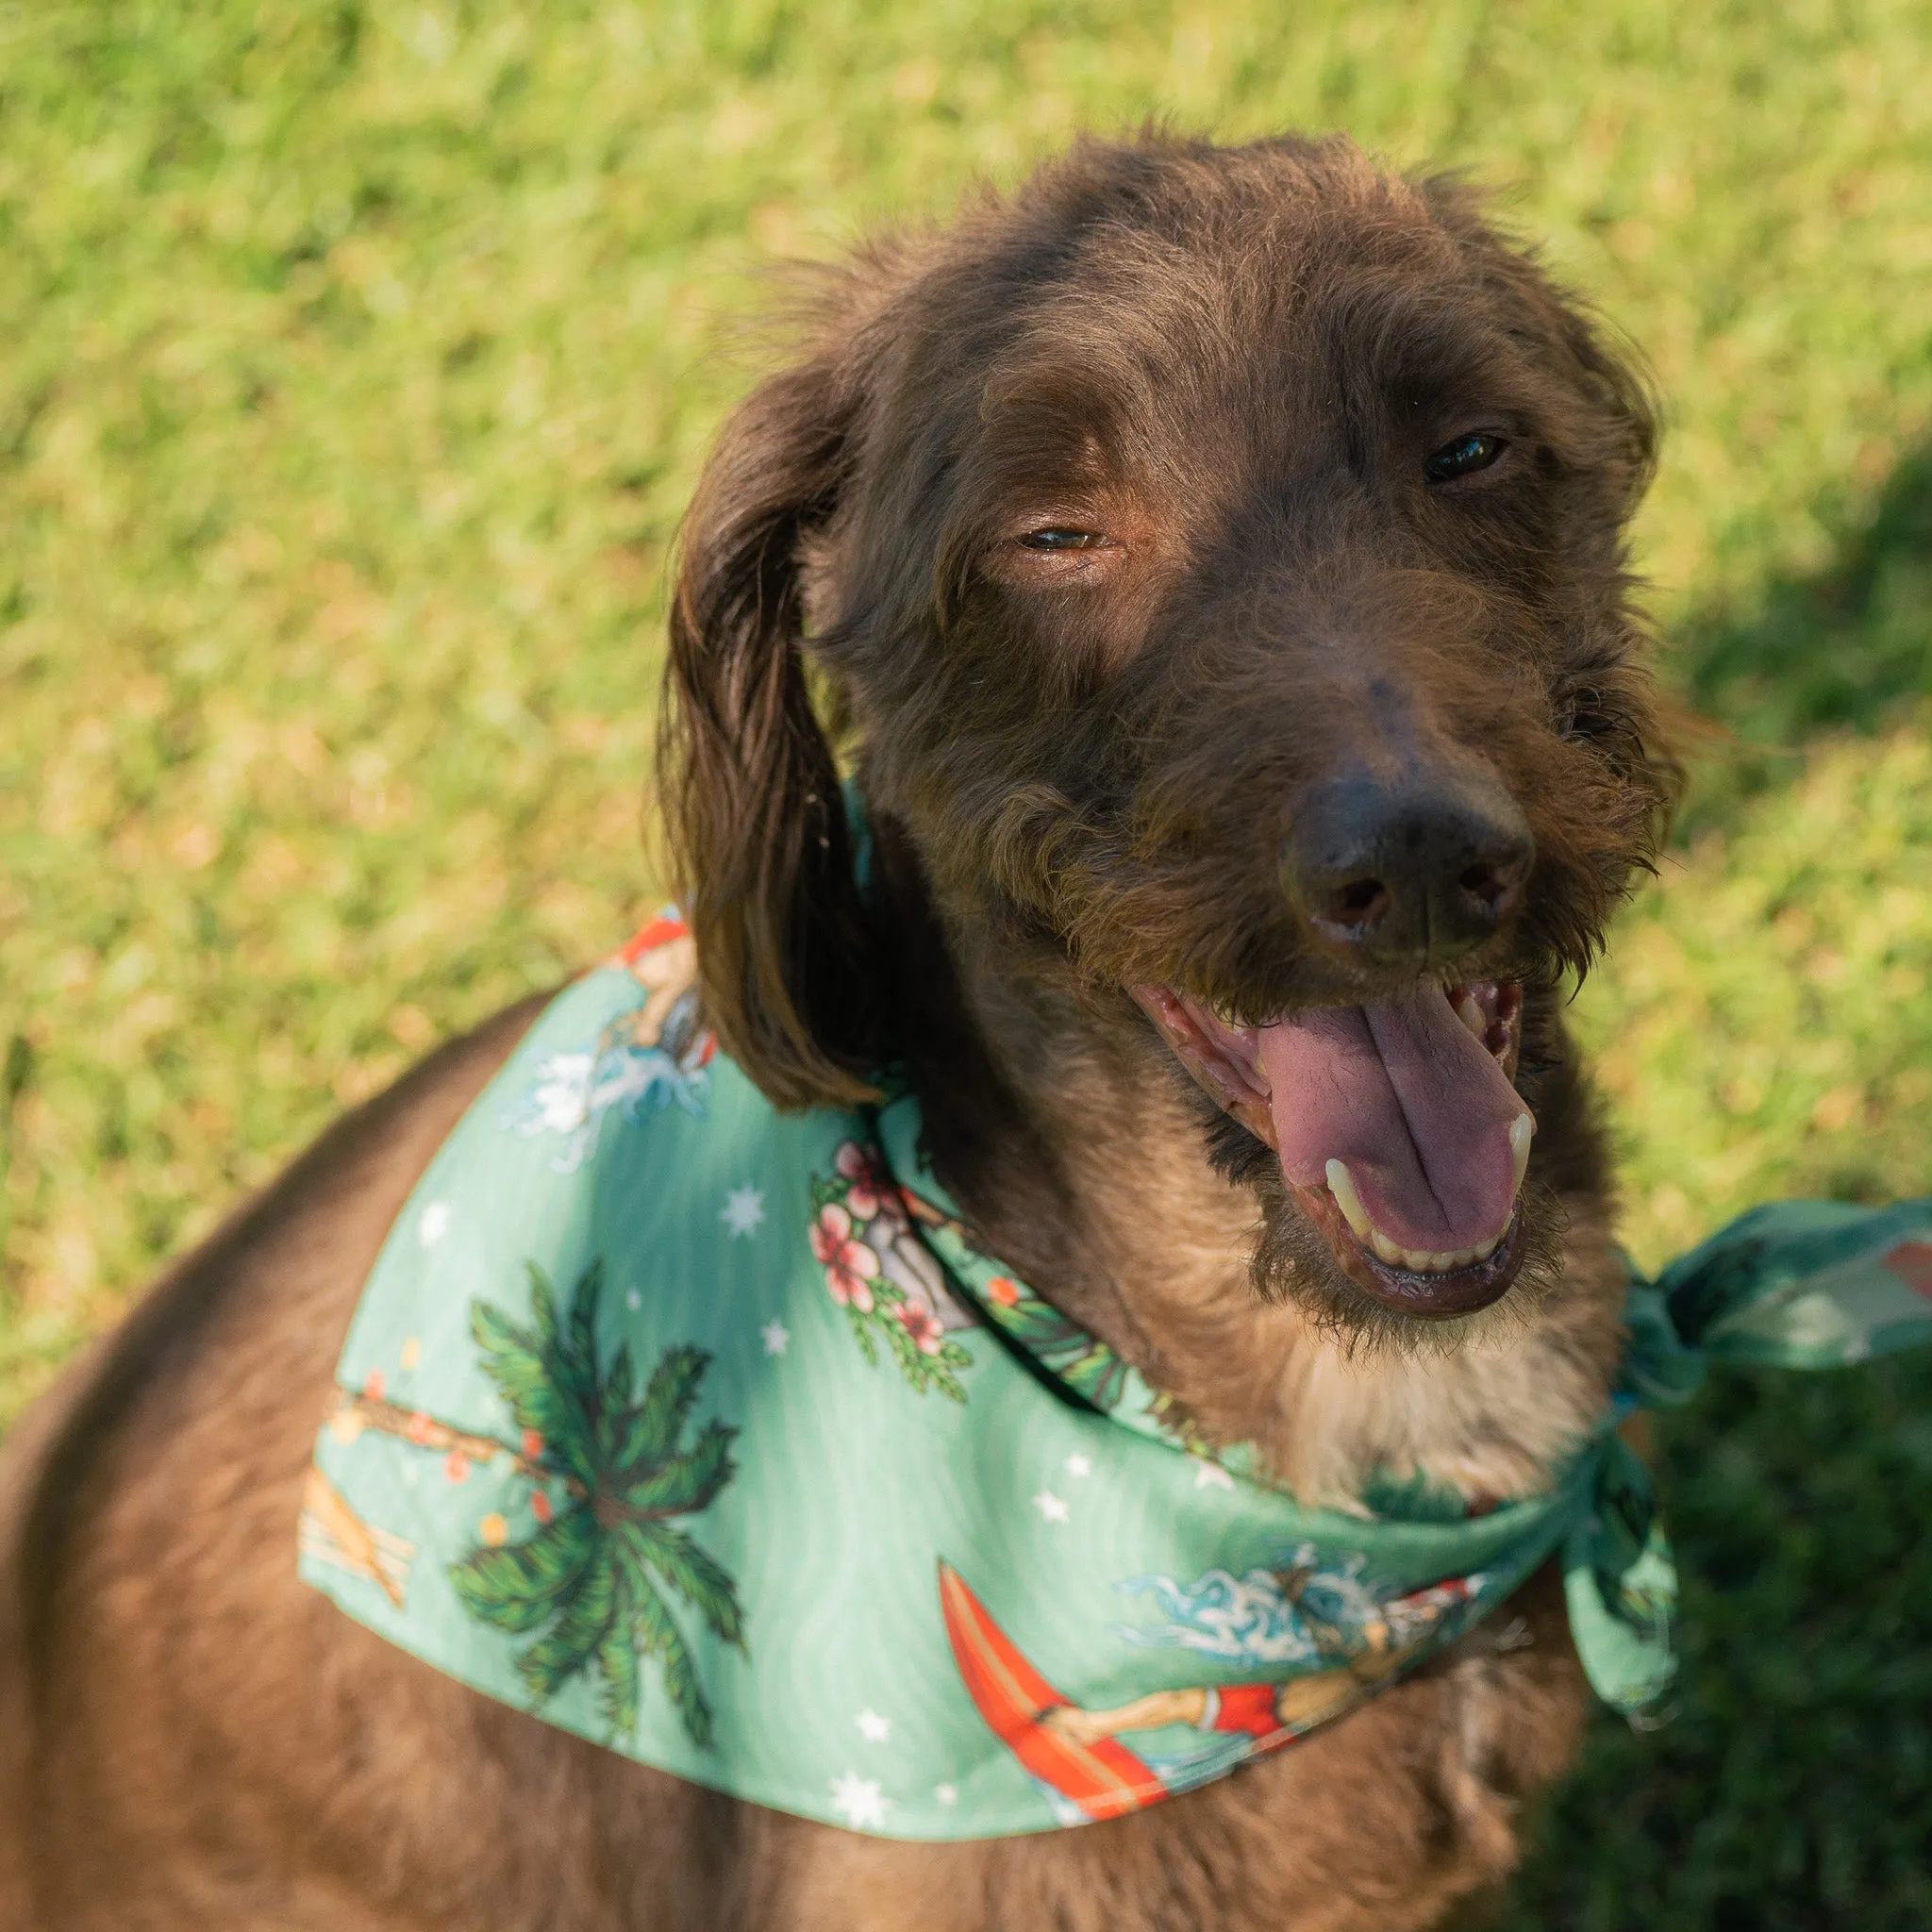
x=355, y=364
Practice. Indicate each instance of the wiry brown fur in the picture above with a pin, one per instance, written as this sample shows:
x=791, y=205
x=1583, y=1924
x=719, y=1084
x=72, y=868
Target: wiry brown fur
x=1233, y=361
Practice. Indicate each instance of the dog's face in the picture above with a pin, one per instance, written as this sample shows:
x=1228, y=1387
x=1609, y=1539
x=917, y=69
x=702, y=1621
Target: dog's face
x=1218, y=554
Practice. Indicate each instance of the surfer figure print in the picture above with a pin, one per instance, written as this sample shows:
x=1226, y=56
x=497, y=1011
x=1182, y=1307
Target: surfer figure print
x=663, y=960
x=643, y=1060
x=1306, y=1610
x=1358, y=1651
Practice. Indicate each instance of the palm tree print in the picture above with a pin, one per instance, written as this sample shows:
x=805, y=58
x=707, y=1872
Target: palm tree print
x=593, y=1579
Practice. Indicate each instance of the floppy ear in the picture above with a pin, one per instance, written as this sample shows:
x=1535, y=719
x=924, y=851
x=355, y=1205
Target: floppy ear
x=753, y=815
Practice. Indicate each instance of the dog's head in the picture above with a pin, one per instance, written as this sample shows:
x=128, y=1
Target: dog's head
x=1216, y=555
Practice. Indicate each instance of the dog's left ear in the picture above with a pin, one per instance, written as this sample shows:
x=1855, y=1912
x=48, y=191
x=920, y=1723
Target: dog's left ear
x=759, y=848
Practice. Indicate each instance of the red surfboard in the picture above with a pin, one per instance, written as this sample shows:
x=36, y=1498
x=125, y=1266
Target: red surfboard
x=1104, y=1779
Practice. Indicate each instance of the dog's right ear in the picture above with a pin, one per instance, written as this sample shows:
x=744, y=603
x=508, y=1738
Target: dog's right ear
x=759, y=849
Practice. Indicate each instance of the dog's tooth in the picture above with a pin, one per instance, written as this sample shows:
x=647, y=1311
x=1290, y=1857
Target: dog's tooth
x=1471, y=1016
x=1522, y=1130
x=1483, y=1250
x=1341, y=1185
x=1416, y=1260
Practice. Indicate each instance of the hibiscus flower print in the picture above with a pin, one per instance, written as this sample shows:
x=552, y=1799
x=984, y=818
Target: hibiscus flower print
x=892, y=1287
x=922, y=1326
x=872, y=1191
x=850, y=1266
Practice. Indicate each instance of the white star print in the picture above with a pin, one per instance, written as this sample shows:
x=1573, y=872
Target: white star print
x=858, y=1801
x=1211, y=1476
x=1079, y=1465
x=946, y=1794
x=433, y=1224
x=1052, y=1508
x=777, y=1337
x=744, y=1209
x=874, y=1728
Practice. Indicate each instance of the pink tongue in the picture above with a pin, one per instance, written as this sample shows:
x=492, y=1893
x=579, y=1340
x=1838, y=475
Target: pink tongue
x=1412, y=1101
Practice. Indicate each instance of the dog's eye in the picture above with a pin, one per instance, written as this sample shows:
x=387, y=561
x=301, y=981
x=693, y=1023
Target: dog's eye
x=1463, y=457
x=1058, y=537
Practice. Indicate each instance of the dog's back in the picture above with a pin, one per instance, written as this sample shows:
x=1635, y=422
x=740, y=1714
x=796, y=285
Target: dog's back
x=153, y=1636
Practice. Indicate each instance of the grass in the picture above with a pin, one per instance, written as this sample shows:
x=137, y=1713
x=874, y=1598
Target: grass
x=356, y=362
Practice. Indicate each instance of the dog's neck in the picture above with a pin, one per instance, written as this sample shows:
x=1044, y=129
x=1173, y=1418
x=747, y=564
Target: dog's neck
x=1079, y=1154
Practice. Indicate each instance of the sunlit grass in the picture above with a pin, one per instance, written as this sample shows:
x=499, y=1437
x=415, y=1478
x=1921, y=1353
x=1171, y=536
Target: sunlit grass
x=1764, y=1027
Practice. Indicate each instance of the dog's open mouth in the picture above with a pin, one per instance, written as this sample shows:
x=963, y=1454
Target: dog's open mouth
x=1400, y=1133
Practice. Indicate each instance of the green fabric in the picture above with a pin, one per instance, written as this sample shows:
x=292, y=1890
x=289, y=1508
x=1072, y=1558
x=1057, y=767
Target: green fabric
x=707, y=1433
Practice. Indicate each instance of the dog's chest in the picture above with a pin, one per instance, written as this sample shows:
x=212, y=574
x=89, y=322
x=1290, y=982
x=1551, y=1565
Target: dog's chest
x=1163, y=1266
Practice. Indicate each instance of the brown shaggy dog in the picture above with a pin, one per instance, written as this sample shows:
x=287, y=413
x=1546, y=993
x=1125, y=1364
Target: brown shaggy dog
x=1213, y=559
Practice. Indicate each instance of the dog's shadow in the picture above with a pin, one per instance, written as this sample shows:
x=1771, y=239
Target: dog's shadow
x=1846, y=648
x=1794, y=1787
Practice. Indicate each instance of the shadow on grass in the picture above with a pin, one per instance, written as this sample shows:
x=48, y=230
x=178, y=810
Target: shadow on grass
x=1793, y=1791
x=1839, y=650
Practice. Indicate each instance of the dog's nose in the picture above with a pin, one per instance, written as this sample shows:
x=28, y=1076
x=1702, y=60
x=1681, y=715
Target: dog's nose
x=1407, y=873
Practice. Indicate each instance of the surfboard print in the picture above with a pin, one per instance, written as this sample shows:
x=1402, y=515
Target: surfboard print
x=1104, y=1779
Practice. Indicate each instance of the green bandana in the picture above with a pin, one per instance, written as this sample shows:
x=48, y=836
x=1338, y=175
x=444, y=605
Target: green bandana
x=706, y=1432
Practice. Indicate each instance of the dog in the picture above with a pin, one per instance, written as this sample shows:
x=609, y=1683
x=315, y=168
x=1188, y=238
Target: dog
x=1210, y=562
